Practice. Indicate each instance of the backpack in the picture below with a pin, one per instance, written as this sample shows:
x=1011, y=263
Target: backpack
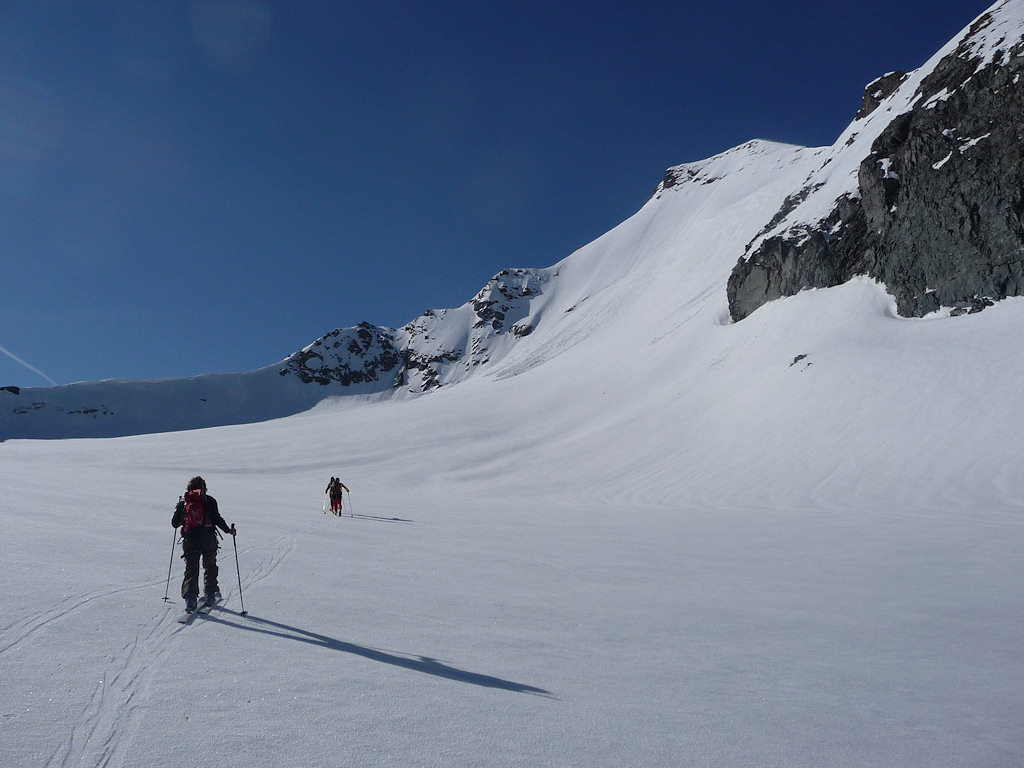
x=195, y=512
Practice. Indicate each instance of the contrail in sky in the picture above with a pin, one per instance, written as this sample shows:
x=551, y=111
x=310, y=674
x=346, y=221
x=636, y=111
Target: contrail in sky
x=32, y=368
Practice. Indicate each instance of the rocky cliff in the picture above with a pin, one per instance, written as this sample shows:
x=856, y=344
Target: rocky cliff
x=936, y=212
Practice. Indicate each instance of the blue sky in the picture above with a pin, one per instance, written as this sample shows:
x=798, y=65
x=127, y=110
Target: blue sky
x=206, y=186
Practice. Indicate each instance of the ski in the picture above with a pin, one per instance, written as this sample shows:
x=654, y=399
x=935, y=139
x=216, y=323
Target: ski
x=204, y=608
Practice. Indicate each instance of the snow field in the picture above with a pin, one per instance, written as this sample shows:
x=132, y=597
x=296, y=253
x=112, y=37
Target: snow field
x=644, y=537
x=703, y=574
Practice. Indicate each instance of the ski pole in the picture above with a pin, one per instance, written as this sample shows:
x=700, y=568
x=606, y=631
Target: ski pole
x=351, y=511
x=234, y=539
x=170, y=565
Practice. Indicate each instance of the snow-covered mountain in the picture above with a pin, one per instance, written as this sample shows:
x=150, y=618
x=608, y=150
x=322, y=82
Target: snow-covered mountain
x=921, y=193
x=597, y=520
x=527, y=315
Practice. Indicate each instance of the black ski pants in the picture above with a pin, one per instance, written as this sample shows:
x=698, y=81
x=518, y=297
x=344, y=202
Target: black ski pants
x=196, y=547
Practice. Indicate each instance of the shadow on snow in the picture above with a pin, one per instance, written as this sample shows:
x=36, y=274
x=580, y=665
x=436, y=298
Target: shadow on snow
x=423, y=664
x=375, y=517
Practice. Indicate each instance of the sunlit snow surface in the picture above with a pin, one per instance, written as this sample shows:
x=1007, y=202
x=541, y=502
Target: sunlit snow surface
x=711, y=557
x=644, y=536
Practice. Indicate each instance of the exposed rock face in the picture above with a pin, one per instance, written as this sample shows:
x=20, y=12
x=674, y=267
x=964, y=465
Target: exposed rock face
x=836, y=250
x=878, y=91
x=506, y=296
x=437, y=347
x=359, y=355
x=948, y=210
x=939, y=214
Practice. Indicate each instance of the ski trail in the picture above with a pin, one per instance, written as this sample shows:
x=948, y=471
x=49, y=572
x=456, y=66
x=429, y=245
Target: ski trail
x=111, y=717
x=109, y=721
x=281, y=547
x=23, y=628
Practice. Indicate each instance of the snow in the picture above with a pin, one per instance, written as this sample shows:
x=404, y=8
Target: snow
x=971, y=143
x=709, y=556
x=662, y=544
x=645, y=535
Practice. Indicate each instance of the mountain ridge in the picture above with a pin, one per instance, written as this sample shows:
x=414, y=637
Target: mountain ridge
x=520, y=319
x=788, y=218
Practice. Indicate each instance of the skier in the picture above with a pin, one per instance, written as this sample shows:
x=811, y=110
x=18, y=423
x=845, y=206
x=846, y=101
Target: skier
x=334, y=490
x=199, y=518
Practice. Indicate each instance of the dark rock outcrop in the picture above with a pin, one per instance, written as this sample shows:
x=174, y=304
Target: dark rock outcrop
x=503, y=296
x=939, y=218
x=878, y=91
x=946, y=216
x=827, y=255
x=437, y=347
x=360, y=355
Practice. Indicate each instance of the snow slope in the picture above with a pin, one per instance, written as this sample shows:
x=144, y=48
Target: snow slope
x=643, y=536
x=524, y=315
x=745, y=562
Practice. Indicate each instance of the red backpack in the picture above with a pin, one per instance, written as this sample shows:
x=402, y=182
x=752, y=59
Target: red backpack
x=195, y=511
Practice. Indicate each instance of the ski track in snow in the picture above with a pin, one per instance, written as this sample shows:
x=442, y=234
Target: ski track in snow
x=106, y=726
x=23, y=628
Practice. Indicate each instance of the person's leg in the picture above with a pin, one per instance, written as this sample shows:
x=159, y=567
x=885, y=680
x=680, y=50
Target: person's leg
x=191, y=554
x=210, y=571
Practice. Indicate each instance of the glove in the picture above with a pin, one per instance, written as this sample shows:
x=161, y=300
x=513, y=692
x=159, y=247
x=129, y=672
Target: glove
x=233, y=531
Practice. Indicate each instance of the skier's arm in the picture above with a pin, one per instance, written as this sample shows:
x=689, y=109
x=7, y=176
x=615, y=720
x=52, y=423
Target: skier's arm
x=214, y=511
x=179, y=513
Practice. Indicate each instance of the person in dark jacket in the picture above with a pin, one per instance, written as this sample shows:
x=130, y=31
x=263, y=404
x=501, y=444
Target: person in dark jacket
x=334, y=489
x=199, y=518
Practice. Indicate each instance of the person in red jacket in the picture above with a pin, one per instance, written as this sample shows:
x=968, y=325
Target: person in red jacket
x=334, y=490
x=199, y=518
